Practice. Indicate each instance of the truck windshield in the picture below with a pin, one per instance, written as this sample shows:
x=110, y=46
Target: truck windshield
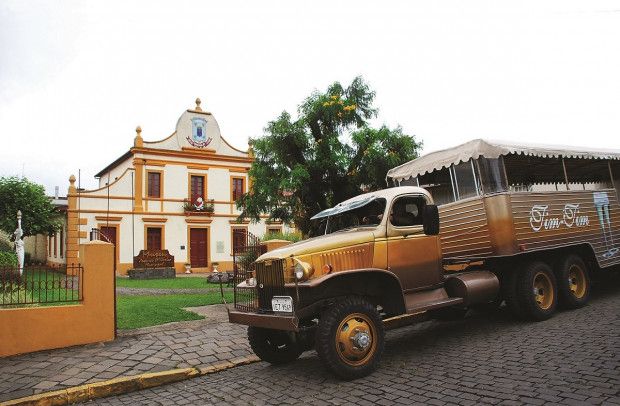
x=367, y=215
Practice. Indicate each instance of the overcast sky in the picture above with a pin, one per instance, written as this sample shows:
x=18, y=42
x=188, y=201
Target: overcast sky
x=76, y=78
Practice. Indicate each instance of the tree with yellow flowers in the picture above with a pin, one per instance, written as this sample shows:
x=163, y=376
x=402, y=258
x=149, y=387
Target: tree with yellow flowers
x=327, y=154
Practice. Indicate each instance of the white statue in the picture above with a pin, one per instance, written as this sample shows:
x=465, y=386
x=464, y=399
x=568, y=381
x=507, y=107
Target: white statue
x=19, y=243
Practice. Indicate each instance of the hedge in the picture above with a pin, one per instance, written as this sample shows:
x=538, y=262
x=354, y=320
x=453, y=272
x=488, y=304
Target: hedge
x=8, y=259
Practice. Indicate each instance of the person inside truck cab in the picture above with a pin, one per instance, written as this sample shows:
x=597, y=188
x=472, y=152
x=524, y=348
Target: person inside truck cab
x=373, y=212
x=406, y=211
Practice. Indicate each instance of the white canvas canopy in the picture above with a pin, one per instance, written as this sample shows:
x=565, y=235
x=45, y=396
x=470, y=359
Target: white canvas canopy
x=492, y=149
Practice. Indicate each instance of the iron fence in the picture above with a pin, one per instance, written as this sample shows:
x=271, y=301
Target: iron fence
x=246, y=248
x=41, y=285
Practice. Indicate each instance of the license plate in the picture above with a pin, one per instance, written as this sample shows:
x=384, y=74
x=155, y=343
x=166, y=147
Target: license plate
x=282, y=304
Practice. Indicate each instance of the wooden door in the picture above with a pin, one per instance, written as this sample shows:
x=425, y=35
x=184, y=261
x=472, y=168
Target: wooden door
x=412, y=255
x=153, y=238
x=197, y=188
x=198, y=247
x=108, y=234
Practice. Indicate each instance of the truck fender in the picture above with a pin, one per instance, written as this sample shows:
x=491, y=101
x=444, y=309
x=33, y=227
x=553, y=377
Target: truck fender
x=371, y=282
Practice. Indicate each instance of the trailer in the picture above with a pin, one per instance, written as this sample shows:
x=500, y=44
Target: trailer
x=505, y=205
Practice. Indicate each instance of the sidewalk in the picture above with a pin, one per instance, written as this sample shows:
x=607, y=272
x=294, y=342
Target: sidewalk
x=198, y=343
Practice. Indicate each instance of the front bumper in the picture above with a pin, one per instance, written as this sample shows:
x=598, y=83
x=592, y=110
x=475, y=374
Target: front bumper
x=271, y=321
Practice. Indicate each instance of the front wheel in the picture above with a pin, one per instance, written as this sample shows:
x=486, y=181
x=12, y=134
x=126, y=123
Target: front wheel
x=273, y=346
x=350, y=338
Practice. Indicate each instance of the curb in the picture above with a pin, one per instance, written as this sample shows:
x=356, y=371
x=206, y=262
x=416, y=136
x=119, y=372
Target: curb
x=125, y=384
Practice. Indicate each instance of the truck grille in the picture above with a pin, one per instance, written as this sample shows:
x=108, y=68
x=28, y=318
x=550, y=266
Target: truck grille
x=269, y=283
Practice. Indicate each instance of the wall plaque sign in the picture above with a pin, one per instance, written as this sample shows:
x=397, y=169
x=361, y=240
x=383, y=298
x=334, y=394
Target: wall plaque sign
x=153, y=259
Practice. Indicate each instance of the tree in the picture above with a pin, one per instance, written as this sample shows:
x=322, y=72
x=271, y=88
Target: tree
x=39, y=215
x=328, y=154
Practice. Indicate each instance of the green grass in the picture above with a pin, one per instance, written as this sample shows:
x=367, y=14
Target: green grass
x=143, y=311
x=170, y=283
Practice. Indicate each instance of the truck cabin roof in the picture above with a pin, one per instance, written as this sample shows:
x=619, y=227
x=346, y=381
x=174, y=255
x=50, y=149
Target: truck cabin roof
x=362, y=200
x=484, y=167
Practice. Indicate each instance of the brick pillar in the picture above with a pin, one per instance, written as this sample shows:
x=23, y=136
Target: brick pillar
x=73, y=228
x=98, y=261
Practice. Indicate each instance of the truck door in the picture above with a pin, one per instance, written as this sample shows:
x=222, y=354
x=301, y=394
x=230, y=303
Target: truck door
x=412, y=255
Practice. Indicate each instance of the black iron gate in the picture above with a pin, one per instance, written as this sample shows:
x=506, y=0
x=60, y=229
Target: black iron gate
x=246, y=248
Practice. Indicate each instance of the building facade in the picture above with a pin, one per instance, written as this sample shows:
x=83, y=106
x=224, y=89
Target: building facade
x=177, y=194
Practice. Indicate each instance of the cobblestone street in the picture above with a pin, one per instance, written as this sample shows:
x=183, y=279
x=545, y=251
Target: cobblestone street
x=151, y=349
x=572, y=359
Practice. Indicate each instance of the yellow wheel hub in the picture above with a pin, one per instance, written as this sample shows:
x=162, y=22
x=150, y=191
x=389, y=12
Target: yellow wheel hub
x=356, y=339
x=543, y=290
x=577, y=281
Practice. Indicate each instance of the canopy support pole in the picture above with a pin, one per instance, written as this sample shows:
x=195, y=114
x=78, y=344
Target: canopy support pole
x=454, y=182
x=503, y=164
x=480, y=177
x=565, y=175
x=473, y=172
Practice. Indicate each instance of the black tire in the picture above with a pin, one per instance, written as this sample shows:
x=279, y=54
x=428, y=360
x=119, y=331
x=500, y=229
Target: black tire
x=537, y=291
x=509, y=292
x=573, y=279
x=273, y=346
x=337, y=348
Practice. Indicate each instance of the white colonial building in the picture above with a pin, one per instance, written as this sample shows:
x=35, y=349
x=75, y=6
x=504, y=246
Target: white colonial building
x=177, y=194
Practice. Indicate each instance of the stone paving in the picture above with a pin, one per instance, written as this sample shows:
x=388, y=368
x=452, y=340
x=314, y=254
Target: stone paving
x=571, y=359
x=152, y=349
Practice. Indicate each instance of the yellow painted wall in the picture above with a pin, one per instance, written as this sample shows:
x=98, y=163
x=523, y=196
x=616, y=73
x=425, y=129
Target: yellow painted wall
x=41, y=328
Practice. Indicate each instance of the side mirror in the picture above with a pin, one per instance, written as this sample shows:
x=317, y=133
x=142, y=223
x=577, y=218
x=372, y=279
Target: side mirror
x=430, y=219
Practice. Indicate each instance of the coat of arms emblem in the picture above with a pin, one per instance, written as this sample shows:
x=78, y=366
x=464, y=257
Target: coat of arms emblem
x=199, y=133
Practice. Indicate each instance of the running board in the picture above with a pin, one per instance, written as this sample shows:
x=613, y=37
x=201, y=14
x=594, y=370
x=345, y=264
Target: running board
x=404, y=320
x=416, y=302
x=435, y=304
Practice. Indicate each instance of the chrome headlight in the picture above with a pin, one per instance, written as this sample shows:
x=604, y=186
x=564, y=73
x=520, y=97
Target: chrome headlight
x=302, y=270
x=299, y=271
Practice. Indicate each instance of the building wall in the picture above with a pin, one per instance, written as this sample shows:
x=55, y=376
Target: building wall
x=124, y=203
x=36, y=246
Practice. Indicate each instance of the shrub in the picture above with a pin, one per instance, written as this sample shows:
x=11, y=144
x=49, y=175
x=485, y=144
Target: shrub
x=16, y=297
x=292, y=237
x=10, y=279
x=8, y=259
x=5, y=245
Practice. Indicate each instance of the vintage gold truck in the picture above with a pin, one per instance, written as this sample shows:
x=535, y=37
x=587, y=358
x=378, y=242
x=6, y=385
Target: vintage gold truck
x=521, y=224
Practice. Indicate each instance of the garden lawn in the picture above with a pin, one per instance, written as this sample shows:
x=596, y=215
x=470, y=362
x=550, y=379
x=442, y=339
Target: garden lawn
x=169, y=283
x=143, y=311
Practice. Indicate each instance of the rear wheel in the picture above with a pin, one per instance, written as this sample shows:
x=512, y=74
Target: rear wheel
x=273, y=346
x=573, y=282
x=537, y=291
x=350, y=338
